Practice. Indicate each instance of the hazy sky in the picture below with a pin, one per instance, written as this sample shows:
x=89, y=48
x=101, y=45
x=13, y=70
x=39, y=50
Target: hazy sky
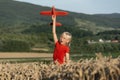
x=81, y=6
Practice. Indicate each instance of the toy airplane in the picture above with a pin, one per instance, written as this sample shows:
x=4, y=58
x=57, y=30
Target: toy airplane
x=54, y=12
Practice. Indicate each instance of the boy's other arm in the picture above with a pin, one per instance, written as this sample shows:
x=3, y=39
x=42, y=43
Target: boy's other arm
x=54, y=29
x=67, y=57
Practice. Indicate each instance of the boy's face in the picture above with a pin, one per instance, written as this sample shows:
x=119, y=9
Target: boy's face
x=63, y=39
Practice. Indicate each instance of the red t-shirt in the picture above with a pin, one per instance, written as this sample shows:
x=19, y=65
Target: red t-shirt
x=60, y=52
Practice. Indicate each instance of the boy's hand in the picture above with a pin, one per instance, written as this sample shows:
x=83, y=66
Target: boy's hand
x=54, y=17
x=68, y=62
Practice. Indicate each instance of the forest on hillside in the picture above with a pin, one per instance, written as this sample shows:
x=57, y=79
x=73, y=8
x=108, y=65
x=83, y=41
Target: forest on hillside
x=22, y=28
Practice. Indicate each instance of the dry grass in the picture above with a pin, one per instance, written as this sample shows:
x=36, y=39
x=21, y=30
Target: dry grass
x=23, y=54
x=101, y=68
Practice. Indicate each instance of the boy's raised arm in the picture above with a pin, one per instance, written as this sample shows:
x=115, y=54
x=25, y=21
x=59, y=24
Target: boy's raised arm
x=54, y=29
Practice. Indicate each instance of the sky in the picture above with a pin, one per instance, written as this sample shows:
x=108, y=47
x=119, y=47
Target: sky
x=81, y=6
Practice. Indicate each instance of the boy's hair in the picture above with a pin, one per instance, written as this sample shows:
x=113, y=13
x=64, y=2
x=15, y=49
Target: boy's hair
x=69, y=36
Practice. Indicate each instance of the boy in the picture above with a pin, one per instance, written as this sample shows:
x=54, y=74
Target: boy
x=61, y=50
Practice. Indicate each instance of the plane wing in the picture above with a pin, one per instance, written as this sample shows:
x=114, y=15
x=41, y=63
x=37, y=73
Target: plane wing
x=61, y=13
x=48, y=13
x=57, y=13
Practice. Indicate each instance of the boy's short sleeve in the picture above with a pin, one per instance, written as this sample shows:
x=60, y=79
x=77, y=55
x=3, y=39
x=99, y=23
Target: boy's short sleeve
x=67, y=50
x=56, y=43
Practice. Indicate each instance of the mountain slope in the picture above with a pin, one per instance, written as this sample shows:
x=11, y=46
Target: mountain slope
x=17, y=16
x=21, y=22
x=13, y=11
x=113, y=15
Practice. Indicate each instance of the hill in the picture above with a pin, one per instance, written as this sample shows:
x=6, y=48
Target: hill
x=21, y=15
x=22, y=27
x=113, y=15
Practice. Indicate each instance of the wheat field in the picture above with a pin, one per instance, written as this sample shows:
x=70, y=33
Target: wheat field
x=100, y=68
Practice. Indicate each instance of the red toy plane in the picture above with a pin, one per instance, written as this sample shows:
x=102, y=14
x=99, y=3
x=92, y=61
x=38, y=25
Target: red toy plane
x=54, y=12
